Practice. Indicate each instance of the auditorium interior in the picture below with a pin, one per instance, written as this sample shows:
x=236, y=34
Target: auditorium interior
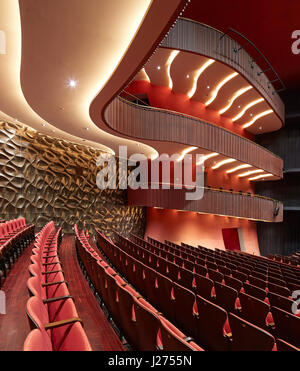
x=99, y=254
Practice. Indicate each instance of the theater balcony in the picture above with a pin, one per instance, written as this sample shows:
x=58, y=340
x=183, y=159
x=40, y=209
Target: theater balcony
x=214, y=201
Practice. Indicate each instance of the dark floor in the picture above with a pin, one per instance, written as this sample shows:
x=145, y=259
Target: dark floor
x=14, y=326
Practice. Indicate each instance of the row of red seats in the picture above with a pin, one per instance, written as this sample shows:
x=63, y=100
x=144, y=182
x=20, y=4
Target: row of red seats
x=15, y=236
x=253, y=310
x=142, y=325
x=219, y=267
x=247, y=264
x=291, y=260
x=236, y=256
x=51, y=309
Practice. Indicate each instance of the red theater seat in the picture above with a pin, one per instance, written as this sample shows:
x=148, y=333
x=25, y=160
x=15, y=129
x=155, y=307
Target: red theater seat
x=248, y=337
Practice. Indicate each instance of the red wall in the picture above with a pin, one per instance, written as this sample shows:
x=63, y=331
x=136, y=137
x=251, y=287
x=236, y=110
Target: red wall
x=163, y=97
x=198, y=229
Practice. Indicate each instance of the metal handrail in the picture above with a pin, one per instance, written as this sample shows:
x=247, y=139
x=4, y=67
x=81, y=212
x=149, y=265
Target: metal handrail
x=270, y=67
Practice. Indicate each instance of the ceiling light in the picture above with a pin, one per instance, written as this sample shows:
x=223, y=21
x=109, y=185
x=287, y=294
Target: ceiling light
x=261, y=177
x=197, y=75
x=251, y=104
x=44, y=125
x=250, y=173
x=87, y=129
x=158, y=67
x=72, y=83
x=260, y=128
x=223, y=162
x=235, y=96
x=187, y=76
x=262, y=114
x=206, y=157
x=170, y=60
x=219, y=86
x=237, y=168
x=187, y=150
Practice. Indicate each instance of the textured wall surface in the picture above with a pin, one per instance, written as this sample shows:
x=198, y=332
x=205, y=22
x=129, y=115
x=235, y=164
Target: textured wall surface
x=43, y=178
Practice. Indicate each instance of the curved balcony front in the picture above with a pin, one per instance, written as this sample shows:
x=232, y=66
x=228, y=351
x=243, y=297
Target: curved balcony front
x=214, y=201
x=161, y=125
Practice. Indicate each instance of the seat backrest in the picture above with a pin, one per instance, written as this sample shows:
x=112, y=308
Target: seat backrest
x=147, y=327
x=185, y=308
x=255, y=291
x=233, y=282
x=281, y=302
x=173, y=340
x=225, y=296
x=280, y=290
x=210, y=324
x=204, y=286
x=36, y=312
x=287, y=326
x=254, y=310
x=215, y=276
x=38, y=341
x=248, y=337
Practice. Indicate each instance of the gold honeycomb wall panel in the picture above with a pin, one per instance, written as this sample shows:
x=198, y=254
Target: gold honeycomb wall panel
x=44, y=178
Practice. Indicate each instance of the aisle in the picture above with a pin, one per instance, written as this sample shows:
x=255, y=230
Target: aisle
x=100, y=333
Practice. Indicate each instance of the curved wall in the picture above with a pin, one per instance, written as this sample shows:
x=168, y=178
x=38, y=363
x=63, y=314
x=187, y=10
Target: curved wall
x=43, y=178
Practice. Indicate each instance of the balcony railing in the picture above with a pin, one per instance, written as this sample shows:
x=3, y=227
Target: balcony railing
x=195, y=37
x=150, y=123
x=214, y=201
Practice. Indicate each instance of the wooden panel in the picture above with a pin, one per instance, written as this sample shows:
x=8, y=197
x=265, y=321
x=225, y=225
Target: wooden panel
x=157, y=124
x=213, y=202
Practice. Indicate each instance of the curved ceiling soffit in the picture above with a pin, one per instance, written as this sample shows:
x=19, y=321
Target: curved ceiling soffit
x=195, y=37
x=163, y=125
x=54, y=50
x=163, y=13
x=13, y=105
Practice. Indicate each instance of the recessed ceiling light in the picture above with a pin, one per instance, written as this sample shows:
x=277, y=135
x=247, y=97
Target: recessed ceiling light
x=53, y=131
x=239, y=106
x=260, y=128
x=208, y=87
x=87, y=129
x=72, y=83
x=251, y=114
x=158, y=67
x=187, y=76
x=43, y=124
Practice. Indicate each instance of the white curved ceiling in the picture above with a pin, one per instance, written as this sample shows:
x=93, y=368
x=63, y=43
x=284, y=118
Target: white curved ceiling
x=50, y=42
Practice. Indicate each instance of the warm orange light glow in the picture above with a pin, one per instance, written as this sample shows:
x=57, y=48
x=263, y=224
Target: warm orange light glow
x=170, y=60
x=250, y=173
x=186, y=151
x=244, y=110
x=237, y=168
x=261, y=177
x=197, y=75
x=262, y=114
x=223, y=162
x=145, y=75
x=235, y=96
x=206, y=157
x=219, y=86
